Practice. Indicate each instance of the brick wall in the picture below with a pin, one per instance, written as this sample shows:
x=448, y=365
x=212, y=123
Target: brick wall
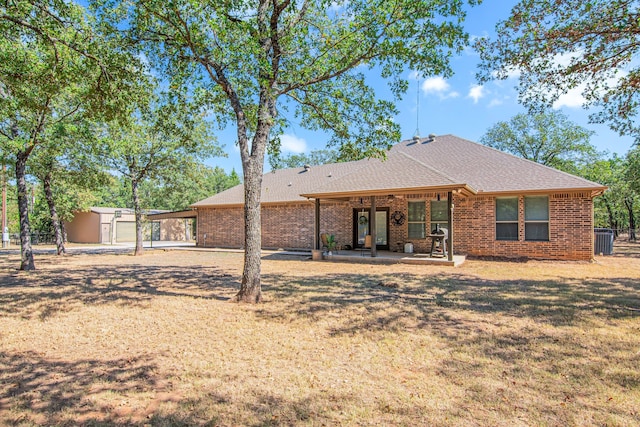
x=223, y=227
x=570, y=229
x=291, y=226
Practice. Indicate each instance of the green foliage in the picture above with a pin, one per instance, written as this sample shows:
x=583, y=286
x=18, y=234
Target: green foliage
x=116, y=193
x=549, y=138
x=248, y=60
x=252, y=60
x=609, y=208
x=557, y=46
x=165, y=135
x=54, y=68
x=632, y=170
x=331, y=242
x=315, y=157
x=182, y=188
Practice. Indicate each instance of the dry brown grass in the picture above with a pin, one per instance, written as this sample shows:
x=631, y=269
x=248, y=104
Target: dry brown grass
x=119, y=340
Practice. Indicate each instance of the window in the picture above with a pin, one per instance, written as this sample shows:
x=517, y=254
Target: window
x=507, y=218
x=416, y=220
x=536, y=218
x=439, y=215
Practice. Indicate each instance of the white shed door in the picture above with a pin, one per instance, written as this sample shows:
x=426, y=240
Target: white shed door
x=125, y=231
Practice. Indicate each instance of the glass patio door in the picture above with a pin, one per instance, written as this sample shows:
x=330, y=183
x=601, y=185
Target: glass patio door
x=362, y=228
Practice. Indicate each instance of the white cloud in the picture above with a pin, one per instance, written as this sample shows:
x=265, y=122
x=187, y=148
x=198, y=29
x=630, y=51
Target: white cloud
x=435, y=85
x=572, y=99
x=439, y=86
x=293, y=144
x=476, y=92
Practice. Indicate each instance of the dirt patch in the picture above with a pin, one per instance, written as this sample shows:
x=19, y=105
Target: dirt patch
x=152, y=340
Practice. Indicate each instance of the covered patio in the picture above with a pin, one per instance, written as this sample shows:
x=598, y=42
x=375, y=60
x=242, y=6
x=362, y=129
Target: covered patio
x=388, y=257
x=390, y=248
x=380, y=194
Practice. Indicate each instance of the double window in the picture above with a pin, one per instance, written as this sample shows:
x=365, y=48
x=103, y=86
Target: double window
x=536, y=218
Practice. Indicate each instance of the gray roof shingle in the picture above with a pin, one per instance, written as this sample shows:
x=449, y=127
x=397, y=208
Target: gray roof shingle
x=443, y=162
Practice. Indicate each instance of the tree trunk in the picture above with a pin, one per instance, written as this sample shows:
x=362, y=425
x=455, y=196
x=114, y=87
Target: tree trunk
x=628, y=202
x=64, y=232
x=55, y=221
x=250, y=288
x=138, y=212
x=612, y=220
x=26, y=251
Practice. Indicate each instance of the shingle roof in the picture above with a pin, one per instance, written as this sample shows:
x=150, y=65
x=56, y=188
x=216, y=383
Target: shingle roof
x=443, y=162
x=285, y=185
x=398, y=172
x=489, y=170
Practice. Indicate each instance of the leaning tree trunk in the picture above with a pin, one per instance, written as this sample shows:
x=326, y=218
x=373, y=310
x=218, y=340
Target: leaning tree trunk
x=138, y=212
x=55, y=220
x=26, y=251
x=64, y=232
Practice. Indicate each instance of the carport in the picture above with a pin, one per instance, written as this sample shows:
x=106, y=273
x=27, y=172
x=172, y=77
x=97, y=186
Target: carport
x=173, y=226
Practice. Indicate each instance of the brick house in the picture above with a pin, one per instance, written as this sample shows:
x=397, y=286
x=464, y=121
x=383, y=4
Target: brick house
x=493, y=204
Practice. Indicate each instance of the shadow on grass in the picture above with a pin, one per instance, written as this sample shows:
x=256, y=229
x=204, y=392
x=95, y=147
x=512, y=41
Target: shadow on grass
x=622, y=247
x=53, y=392
x=259, y=409
x=129, y=392
x=385, y=301
x=40, y=294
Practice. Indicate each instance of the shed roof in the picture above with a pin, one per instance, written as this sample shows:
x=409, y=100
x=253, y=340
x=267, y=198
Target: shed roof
x=125, y=211
x=443, y=162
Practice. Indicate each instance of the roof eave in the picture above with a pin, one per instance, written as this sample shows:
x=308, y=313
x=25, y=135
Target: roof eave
x=462, y=189
x=595, y=191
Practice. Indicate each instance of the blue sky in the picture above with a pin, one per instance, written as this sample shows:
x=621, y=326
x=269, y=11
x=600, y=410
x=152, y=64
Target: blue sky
x=457, y=105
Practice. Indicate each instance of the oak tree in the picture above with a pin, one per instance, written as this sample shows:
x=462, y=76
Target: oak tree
x=588, y=46
x=257, y=61
x=548, y=138
x=160, y=137
x=54, y=67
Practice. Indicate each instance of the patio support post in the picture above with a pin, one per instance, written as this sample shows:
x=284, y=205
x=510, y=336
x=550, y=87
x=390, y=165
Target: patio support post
x=450, y=225
x=316, y=236
x=372, y=226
